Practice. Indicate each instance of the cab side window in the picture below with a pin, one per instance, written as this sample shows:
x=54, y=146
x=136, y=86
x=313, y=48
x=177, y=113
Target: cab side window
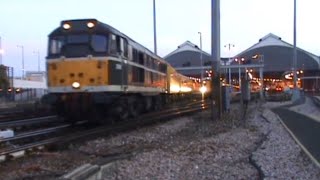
x=125, y=48
x=113, y=44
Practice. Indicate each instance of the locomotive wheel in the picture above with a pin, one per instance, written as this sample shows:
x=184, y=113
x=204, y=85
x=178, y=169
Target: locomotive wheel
x=135, y=107
x=97, y=115
x=120, y=110
x=157, y=103
x=147, y=104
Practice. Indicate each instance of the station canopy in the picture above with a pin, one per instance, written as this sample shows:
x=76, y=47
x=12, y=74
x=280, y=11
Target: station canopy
x=276, y=54
x=187, y=59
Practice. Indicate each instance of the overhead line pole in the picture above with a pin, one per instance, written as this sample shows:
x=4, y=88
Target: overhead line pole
x=295, y=88
x=201, y=60
x=154, y=27
x=294, y=46
x=215, y=54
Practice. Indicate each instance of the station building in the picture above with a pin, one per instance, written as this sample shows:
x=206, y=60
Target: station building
x=187, y=60
x=275, y=54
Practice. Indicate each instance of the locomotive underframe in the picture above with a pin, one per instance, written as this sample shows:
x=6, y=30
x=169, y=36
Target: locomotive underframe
x=105, y=107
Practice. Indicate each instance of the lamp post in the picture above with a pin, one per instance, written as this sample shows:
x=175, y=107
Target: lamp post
x=239, y=62
x=22, y=58
x=154, y=27
x=201, y=63
x=38, y=53
x=229, y=48
x=261, y=77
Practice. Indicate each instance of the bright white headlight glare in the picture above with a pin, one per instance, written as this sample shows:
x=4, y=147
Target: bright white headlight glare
x=90, y=24
x=203, y=89
x=76, y=85
x=66, y=26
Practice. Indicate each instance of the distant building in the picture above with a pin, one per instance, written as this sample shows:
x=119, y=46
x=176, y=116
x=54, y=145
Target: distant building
x=187, y=60
x=275, y=54
x=278, y=56
x=36, y=76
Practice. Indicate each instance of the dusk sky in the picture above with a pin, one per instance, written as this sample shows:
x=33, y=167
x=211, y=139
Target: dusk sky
x=243, y=23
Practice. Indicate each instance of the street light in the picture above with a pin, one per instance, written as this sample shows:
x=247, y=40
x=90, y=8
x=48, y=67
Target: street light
x=201, y=57
x=229, y=48
x=260, y=58
x=239, y=62
x=22, y=57
x=38, y=53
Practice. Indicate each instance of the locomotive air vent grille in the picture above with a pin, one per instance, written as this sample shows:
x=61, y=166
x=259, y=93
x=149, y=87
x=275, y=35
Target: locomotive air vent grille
x=53, y=66
x=99, y=65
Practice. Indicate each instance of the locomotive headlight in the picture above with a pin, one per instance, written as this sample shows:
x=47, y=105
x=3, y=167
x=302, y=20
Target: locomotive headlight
x=76, y=85
x=66, y=26
x=90, y=24
x=203, y=89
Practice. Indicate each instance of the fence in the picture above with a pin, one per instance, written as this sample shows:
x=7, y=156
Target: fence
x=6, y=80
x=10, y=89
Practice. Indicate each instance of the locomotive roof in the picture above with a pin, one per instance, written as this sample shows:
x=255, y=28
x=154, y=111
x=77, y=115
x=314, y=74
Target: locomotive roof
x=105, y=28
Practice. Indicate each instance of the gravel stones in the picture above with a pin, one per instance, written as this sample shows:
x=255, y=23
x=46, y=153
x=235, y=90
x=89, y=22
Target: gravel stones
x=279, y=157
x=186, y=148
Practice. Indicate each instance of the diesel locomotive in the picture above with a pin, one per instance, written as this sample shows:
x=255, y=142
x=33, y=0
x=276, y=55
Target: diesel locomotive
x=94, y=70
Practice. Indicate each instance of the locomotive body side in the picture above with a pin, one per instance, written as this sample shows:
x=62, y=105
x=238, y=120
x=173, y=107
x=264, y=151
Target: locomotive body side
x=94, y=70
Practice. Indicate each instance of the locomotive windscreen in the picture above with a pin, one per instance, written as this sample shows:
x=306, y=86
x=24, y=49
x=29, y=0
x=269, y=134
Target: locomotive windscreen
x=79, y=45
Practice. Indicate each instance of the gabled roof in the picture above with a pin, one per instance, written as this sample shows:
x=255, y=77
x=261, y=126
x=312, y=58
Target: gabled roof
x=273, y=40
x=186, y=46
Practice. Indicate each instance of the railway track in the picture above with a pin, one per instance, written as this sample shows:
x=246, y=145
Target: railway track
x=24, y=111
x=28, y=122
x=66, y=133
x=19, y=114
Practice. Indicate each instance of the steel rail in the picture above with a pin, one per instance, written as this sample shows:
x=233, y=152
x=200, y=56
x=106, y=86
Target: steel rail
x=143, y=120
x=35, y=133
x=15, y=123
